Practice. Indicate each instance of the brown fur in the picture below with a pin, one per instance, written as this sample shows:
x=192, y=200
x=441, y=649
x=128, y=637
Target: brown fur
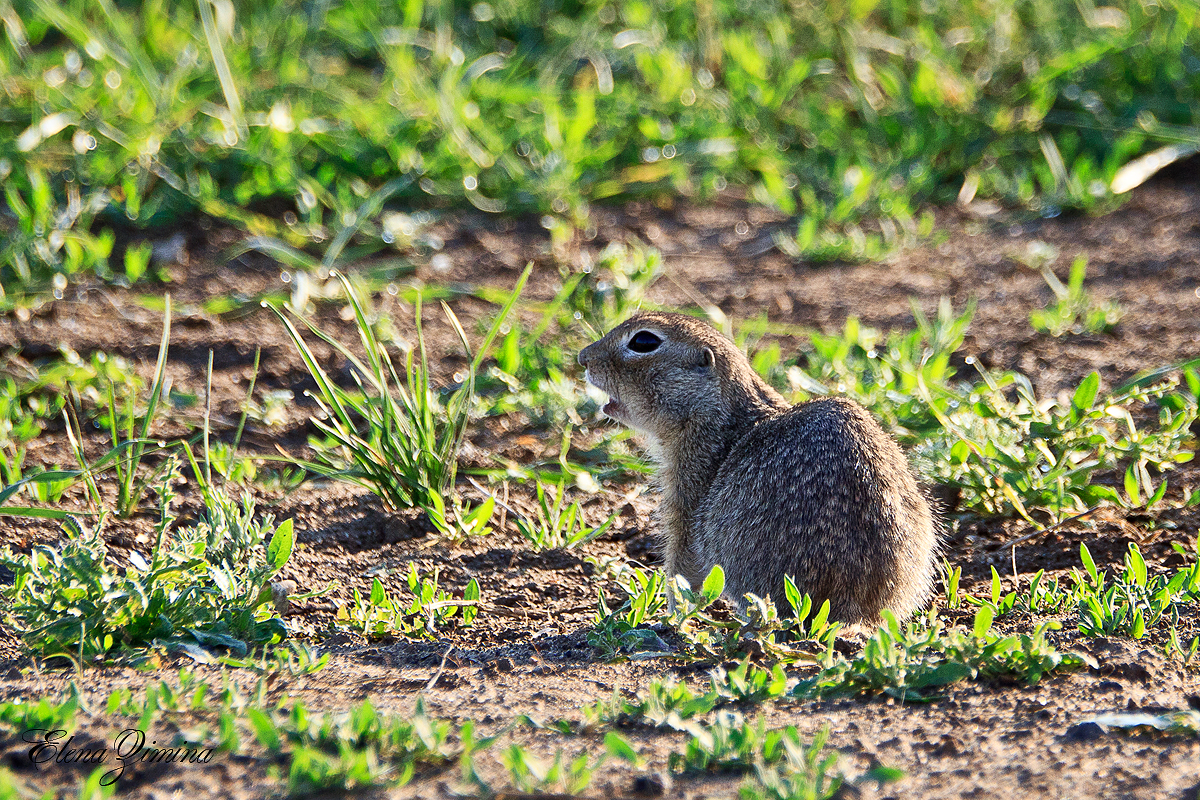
x=817, y=491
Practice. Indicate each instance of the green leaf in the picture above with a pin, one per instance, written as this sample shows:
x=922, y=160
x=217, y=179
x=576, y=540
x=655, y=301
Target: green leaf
x=618, y=747
x=883, y=774
x=822, y=617
x=714, y=584
x=264, y=729
x=280, y=548
x=945, y=674
x=983, y=621
x=1133, y=487
x=1137, y=564
x=1158, y=495
x=40, y=513
x=1085, y=395
x=1085, y=556
x=470, y=593
x=378, y=594
x=793, y=596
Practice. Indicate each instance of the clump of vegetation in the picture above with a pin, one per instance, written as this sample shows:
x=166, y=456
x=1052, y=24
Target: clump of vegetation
x=781, y=766
x=351, y=751
x=800, y=771
x=1128, y=603
x=207, y=584
x=1133, y=601
x=129, y=433
x=914, y=662
x=706, y=630
x=533, y=776
x=1074, y=310
x=431, y=609
x=802, y=104
x=113, y=392
x=1015, y=455
x=665, y=702
x=558, y=524
x=33, y=394
x=395, y=437
x=889, y=375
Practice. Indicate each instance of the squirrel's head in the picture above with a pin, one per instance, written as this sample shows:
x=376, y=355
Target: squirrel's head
x=662, y=371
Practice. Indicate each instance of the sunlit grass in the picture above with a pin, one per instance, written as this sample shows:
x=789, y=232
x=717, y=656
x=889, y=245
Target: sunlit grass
x=838, y=113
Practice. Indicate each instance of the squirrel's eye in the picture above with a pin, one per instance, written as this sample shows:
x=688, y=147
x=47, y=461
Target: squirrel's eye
x=644, y=342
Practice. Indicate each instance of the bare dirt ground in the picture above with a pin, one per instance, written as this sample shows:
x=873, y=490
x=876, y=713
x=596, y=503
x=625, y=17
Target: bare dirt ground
x=528, y=651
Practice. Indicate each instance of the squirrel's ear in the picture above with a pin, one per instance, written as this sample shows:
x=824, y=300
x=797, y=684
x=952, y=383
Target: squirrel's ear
x=708, y=359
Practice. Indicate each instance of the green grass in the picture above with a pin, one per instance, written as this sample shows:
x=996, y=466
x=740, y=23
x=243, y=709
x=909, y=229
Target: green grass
x=207, y=585
x=915, y=661
x=557, y=523
x=398, y=438
x=430, y=611
x=138, y=116
x=1074, y=310
x=33, y=395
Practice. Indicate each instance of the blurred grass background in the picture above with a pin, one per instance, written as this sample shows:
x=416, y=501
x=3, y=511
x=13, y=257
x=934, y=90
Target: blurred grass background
x=300, y=119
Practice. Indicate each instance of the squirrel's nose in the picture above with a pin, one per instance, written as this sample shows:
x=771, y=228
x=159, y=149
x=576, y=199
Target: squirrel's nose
x=582, y=358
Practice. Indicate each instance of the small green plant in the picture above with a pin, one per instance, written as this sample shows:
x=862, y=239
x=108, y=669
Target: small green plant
x=401, y=443
x=747, y=683
x=24, y=715
x=379, y=614
x=1018, y=455
x=914, y=662
x=1074, y=310
x=533, y=776
x=890, y=375
x=951, y=576
x=707, y=631
x=729, y=744
x=208, y=583
x=350, y=751
x=129, y=433
x=710, y=633
x=33, y=394
x=664, y=703
x=1134, y=601
x=617, y=634
x=790, y=770
x=472, y=520
x=558, y=524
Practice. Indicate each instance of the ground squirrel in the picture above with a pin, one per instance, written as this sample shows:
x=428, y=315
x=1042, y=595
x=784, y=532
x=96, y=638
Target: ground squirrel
x=817, y=491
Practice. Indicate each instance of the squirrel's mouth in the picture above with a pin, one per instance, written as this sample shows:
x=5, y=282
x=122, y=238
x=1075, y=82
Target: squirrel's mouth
x=612, y=408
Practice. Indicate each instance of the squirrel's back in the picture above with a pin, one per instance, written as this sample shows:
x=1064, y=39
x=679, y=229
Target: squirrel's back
x=821, y=493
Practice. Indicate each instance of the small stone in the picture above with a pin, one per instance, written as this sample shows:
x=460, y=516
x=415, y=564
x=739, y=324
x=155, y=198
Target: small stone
x=648, y=786
x=1084, y=732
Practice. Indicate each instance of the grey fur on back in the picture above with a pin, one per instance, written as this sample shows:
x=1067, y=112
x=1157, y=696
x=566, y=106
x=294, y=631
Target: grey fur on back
x=820, y=493
x=817, y=491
